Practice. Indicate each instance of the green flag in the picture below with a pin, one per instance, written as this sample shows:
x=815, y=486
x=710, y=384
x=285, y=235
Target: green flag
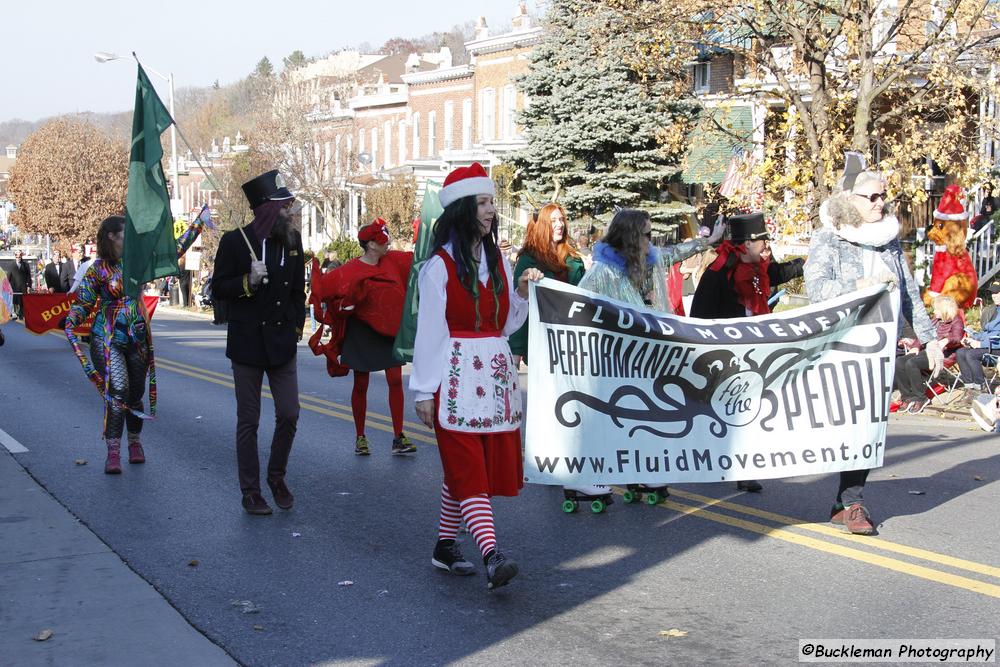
x=430, y=211
x=149, y=249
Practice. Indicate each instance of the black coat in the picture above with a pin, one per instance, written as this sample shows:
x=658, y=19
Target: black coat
x=53, y=277
x=264, y=324
x=715, y=298
x=20, y=277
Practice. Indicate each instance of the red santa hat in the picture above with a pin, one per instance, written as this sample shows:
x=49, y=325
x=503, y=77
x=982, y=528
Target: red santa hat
x=466, y=182
x=951, y=207
x=376, y=231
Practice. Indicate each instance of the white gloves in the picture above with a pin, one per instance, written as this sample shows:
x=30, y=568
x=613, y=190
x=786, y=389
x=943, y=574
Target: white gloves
x=935, y=357
x=258, y=271
x=887, y=277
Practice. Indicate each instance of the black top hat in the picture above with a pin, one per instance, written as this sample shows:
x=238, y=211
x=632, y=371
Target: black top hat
x=747, y=227
x=269, y=186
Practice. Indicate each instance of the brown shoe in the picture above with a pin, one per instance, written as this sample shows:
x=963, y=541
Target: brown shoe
x=858, y=521
x=283, y=498
x=837, y=514
x=254, y=503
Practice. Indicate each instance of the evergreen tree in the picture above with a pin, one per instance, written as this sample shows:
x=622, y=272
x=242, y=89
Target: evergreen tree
x=264, y=69
x=595, y=131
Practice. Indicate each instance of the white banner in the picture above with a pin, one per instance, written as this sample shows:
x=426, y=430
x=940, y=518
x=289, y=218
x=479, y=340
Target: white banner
x=620, y=395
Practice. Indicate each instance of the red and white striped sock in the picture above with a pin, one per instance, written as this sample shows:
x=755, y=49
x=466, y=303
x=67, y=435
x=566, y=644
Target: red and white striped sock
x=451, y=515
x=478, y=515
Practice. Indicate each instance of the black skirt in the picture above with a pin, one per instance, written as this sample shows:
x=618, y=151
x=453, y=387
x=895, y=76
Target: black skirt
x=366, y=349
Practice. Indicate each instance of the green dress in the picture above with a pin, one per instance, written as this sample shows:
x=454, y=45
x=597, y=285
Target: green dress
x=574, y=274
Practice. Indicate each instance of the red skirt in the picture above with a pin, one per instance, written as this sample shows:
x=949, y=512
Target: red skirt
x=480, y=463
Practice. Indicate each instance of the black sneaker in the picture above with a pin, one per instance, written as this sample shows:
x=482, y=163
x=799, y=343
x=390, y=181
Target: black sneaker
x=750, y=485
x=447, y=556
x=254, y=503
x=499, y=570
x=402, y=445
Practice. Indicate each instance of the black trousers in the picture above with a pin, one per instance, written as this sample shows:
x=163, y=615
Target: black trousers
x=910, y=369
x=852, y=486
x=970, y=361
x=284, y=385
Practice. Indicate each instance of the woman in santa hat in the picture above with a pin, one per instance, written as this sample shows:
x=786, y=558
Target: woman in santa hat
x=463, y=375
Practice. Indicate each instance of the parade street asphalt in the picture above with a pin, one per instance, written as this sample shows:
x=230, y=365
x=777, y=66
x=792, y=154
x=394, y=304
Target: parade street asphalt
x=710, y=576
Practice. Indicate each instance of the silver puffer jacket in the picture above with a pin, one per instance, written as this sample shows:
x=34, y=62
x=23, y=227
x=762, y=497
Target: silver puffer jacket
x=835, y=265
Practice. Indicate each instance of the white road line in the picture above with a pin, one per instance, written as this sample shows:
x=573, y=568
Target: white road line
x=10, y=444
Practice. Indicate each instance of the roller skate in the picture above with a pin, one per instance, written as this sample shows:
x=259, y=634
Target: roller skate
x=653, y=494
x=599, y=498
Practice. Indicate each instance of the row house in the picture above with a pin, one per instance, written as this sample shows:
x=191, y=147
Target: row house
x=417, y=114
x=735, y=97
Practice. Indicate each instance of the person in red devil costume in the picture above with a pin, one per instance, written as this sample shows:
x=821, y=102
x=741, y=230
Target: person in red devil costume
x=738, y=283
x=363, y=302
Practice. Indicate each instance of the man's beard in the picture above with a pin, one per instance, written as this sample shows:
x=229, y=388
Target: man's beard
x=285, y=232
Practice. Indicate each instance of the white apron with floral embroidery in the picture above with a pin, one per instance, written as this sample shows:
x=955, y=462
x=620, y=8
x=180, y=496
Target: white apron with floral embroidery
x=480, y=393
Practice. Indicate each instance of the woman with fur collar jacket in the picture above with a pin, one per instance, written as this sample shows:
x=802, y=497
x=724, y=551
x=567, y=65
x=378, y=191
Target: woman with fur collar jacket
x=857, y=247
x=628, y=267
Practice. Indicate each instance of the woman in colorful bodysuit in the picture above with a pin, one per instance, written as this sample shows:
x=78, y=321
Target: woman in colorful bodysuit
x=121, y=345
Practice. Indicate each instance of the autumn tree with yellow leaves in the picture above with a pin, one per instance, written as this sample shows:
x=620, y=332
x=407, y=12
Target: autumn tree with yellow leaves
x=901, y=82
x=69, y=176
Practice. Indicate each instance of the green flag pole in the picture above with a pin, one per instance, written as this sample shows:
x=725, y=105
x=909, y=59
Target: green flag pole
x=253, y=254
x=177, y=127
x=430, y=211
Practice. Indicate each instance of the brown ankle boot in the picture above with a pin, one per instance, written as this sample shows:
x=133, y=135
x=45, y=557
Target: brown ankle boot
x=113, y=466
x=135, y=453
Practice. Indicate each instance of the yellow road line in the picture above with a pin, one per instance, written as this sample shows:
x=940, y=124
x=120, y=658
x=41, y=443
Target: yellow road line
x=783, y=534
x=346, y=416
x=410, y=426
x=829, y=531
x=902, y=567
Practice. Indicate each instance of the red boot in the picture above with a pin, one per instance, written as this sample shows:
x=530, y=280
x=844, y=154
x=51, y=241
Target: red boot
x=135, y=453
x=113, y=466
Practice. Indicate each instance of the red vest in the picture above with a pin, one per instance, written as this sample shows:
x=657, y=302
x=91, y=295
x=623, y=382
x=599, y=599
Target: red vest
x=461, y=309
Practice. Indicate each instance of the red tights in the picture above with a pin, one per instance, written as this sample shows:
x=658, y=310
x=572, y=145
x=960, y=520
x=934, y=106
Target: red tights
x=359, y=399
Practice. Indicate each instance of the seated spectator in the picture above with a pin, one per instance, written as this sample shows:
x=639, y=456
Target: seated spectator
x=911, y=366
x=977, y=345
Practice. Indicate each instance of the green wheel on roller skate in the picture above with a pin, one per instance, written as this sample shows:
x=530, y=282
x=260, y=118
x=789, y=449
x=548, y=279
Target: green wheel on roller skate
x=653, y=498
x=629, y=497
x=597, y=506
x=569, y=506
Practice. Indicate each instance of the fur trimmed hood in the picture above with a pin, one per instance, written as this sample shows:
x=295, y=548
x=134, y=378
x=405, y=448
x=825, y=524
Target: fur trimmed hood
x=607, y=255
x=842, y=218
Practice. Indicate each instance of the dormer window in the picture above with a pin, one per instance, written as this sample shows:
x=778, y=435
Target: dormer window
x=701, y=75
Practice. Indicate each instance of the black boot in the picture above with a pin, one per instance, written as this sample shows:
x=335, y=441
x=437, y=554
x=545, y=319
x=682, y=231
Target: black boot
x=499, y=569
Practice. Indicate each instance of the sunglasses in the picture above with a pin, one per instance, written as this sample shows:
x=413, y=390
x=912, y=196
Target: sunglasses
x=873, y=197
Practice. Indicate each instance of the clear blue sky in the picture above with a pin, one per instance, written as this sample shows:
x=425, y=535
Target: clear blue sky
x=48, y=68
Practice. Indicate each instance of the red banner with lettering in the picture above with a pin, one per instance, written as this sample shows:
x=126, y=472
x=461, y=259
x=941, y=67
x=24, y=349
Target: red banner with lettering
x=43, y=312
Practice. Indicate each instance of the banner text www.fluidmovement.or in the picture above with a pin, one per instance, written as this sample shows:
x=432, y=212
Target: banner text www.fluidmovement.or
x=620, y=394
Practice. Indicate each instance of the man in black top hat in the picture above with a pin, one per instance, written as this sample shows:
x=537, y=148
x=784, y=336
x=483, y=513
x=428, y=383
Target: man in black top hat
x=265, y=292
x=738, y=283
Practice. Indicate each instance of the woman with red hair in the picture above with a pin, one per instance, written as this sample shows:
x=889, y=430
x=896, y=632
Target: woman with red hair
x=546, y=248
